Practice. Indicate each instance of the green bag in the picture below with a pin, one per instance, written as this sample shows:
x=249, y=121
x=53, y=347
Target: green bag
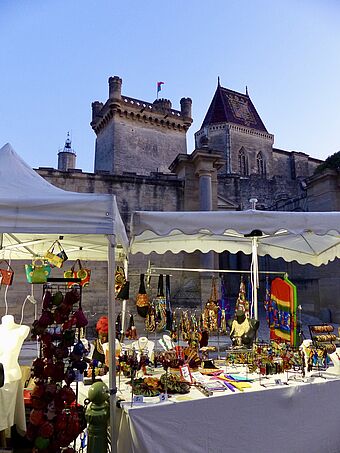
x=38, y=271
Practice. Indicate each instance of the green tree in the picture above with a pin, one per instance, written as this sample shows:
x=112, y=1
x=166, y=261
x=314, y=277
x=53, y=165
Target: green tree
x=332, y=162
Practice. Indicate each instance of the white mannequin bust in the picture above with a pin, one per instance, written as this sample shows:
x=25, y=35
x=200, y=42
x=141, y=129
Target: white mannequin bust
x=12, y=336
x=144, y=345
x=305, y=348
x=118, y=347
x=166, y=342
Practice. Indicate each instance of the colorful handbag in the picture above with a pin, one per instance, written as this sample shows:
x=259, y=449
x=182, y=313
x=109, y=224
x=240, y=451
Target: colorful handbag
x=83, y=273
x=6, y=275
x=38, y=271
x=142, y=300
x=56, y=259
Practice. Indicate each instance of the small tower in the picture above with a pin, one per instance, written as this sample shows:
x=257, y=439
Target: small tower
x=67, y=156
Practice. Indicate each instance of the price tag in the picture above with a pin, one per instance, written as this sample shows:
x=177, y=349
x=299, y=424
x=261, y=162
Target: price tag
x=185, y=373
x=163, y=397
x=138, y=399
x=278, y=381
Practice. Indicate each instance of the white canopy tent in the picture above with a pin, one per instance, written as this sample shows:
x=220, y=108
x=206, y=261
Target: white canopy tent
x=33, y=213
x=305, y=237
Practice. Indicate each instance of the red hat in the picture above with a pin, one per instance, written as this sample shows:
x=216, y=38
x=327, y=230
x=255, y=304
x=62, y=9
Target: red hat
x=102, y=325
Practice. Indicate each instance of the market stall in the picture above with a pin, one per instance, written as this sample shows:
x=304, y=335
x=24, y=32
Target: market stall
x=34, y=213
x=304, y=237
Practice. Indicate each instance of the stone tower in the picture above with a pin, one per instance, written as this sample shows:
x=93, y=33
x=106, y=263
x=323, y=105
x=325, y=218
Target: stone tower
x=136, y=136
x=234, y=128
x=67, y=156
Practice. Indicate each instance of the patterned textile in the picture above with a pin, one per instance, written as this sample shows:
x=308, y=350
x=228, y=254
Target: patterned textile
x=282, y=311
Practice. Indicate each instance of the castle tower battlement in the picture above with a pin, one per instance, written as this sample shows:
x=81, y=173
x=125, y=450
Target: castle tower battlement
x=136, y=135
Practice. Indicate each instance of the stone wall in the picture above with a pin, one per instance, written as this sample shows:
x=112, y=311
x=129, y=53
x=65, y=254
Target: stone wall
x=157, y=192
x=135, y=145
x=252, y=142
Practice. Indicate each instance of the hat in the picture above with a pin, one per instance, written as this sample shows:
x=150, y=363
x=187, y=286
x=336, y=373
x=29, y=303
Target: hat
x=102, y=325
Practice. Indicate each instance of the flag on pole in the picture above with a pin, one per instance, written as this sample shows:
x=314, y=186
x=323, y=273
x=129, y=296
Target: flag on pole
x=159, y=86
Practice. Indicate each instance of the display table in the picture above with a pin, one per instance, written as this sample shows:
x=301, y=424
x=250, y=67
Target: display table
x=297, y=418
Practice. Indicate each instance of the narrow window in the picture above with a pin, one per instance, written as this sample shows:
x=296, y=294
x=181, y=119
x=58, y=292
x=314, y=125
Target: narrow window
x=243, y=164
x=261, y=170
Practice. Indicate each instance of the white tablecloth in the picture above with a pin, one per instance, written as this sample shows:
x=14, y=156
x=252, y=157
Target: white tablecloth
x=12, y=408
x=295, y=418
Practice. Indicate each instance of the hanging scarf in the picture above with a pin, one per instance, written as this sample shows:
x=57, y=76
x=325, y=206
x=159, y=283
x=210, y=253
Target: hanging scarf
x=267, y=304
x=169, y=314
x=160, y=306
x=249, y=298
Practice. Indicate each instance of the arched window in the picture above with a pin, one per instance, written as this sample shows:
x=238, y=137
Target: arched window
x=242, y=162
x=261, y=169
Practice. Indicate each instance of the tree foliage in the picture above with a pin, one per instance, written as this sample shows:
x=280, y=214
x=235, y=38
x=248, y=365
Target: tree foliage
x=332, y=162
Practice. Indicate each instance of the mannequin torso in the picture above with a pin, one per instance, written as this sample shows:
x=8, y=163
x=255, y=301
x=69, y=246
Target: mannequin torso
x=12, y=336
x=144, y=345
x=166, y=342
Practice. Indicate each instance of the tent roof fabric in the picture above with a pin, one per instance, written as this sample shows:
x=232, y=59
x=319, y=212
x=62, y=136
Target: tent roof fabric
x=30, y=205
x=311, y=237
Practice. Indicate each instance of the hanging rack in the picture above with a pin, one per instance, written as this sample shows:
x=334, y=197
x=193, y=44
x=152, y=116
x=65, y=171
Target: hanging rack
x=219, y=271
x=223, y=271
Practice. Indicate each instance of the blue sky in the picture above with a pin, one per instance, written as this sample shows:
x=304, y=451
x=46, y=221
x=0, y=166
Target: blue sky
x=56, y=57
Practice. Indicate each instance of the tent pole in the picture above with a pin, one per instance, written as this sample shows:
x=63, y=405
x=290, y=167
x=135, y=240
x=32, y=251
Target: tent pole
x=112, y=339
x=254, y=276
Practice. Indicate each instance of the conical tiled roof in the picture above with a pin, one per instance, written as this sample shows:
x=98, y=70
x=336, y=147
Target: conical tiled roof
x=230, y=106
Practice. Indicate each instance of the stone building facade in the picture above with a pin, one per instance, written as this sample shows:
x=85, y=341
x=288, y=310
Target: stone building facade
x=141, y=156
x=253, y=168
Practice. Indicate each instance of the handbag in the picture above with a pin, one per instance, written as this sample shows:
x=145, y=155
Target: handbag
x=37, y=271
x=83, y=273
x=6, y=275
x=142, y=300
x=131, y=332
x=119, y=279
x=56, y=259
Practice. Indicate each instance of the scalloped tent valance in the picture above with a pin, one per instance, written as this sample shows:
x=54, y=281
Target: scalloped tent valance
x=305, y=237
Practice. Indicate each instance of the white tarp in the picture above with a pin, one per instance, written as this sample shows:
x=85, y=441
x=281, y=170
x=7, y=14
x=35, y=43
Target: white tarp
x=34, y=212
x=306, y=237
